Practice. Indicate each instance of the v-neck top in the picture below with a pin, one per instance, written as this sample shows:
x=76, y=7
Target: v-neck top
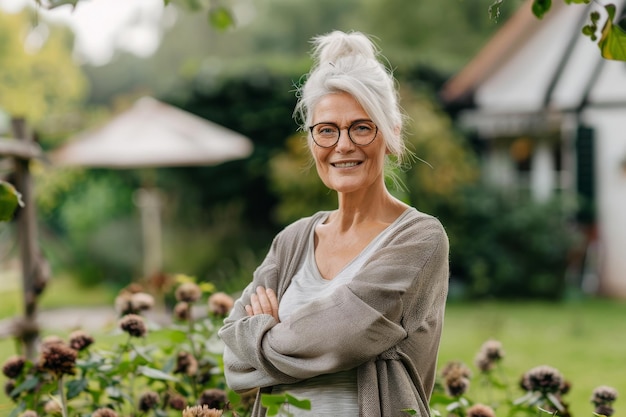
x=331, y=394
x=308, y=284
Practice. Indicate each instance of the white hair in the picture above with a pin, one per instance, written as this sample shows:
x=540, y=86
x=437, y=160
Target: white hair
x=349, y=62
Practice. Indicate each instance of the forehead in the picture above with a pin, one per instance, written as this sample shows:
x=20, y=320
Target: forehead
x=338, y=108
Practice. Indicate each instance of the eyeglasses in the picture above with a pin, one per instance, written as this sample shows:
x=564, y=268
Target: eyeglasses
x=360, y=132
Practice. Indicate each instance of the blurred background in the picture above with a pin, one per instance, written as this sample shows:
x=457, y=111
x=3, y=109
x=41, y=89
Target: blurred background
x=515, y=154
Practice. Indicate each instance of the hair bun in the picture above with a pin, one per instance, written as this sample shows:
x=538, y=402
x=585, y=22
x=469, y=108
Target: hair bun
x=335, y=45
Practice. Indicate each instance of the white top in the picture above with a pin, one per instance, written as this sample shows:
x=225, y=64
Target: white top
x=332, y=394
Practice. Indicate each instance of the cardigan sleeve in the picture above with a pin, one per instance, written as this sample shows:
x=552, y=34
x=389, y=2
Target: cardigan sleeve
x=354, y=324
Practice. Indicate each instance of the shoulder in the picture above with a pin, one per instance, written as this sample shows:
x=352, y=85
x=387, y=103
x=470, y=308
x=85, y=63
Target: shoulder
x=298, y=230
x=418, y=225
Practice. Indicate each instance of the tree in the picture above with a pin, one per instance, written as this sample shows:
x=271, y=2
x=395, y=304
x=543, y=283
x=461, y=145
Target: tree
x=612, y=40
x=38, y=78
x=219, y=16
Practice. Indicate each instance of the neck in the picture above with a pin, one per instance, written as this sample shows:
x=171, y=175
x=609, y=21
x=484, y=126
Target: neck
x=373, y=205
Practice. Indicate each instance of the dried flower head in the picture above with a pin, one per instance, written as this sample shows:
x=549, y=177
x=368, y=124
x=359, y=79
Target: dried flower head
x=104, y=412
x=141, y=301
x=201, y=411
x=492, y=350
x=602, y=395
x=58, y=359
x=213, y=398
x=177, y=402
x=133, y=325
x=123, y=304
x=148, y=401
x=604, y=410
x=480, y=410
x=13, y=366
x=51, y=340
x=456, y=378
x=456, y=385
x=182, y=311
x=220, y=304
x=457, y=368
x=79, y=340
x=53, y=407
x=186, y=363
x=489, y=354
x=188, y=292
x=9, y=386
x=29, y=413
x=543, y=379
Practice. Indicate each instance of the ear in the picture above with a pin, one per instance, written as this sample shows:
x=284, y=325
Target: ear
x=396, y=131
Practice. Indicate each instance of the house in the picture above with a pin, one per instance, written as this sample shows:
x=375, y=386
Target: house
x=548, y=114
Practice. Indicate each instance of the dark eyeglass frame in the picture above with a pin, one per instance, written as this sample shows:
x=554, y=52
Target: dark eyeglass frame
x=347, y=130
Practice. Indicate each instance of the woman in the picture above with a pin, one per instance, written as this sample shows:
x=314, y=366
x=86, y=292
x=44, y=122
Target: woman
x=347, y=308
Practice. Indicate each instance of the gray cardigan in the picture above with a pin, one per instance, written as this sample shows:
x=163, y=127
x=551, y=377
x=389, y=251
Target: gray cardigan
x=387, y=322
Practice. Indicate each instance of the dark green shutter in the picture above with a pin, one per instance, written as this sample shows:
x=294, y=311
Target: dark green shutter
x=585, y=169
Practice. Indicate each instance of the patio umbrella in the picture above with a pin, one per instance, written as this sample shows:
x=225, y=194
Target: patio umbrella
x=152, y=134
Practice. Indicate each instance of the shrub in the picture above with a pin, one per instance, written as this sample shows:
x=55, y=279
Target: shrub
x=180, y=371
x=507, y=247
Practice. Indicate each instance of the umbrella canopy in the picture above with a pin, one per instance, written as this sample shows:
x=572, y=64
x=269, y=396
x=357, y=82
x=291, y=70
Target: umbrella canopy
x=153, y=134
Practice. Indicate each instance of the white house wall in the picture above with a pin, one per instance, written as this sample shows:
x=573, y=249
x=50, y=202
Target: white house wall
x=520, y=83
x=611, y=196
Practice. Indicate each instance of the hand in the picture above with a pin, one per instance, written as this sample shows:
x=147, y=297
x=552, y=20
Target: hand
x=263, y=302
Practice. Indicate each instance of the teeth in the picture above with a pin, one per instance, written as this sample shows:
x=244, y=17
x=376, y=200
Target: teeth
x=345, y=164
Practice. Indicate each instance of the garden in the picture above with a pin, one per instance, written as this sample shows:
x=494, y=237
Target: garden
x=522, y=358
x=522, y=335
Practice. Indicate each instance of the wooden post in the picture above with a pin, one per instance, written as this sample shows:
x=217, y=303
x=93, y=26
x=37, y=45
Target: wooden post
x=27, y=231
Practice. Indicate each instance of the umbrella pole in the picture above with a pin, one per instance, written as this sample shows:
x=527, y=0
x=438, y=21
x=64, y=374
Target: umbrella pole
x=149, y=203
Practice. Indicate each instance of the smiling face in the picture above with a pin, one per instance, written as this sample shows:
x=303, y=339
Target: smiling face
x=347, y=167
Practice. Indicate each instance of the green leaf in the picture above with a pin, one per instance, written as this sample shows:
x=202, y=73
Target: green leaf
x=441, y=398
x=303, y=404
x=10, y=198
x=156, y=374
x=541, y=7
x=220, y=18
x=577, y=1
x=57, y=3
x=30, y=383
x=75, y=387
x=612, y=42
x=17, y=410
x=272, y=402
x=410, y=411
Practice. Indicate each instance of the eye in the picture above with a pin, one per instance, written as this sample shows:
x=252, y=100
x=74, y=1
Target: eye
x=326, y=130
x=362, y=128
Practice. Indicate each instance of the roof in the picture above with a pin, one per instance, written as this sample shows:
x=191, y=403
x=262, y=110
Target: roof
x=501, y=46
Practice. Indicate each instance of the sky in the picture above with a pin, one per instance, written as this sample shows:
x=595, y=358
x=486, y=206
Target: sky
x=104, y=26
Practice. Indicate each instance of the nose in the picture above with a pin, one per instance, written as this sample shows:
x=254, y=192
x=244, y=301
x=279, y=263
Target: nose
x=344, y=144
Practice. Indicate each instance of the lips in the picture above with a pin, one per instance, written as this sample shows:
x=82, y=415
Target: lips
x=348, y=164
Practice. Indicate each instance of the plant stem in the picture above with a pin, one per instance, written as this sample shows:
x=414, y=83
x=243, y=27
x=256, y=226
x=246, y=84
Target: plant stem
x=62, y=396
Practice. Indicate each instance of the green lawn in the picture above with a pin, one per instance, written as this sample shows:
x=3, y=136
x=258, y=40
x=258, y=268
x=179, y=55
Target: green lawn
x=584, y=340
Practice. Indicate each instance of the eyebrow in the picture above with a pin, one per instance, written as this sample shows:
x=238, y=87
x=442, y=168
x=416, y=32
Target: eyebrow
x=350, y=124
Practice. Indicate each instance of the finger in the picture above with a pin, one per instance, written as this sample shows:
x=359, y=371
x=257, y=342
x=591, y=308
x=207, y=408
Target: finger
x=273, y=300
x=255, y=305
x=248, y=308
x=264, y=302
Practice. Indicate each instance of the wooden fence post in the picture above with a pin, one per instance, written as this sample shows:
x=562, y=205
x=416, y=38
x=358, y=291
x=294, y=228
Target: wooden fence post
x=27, y=231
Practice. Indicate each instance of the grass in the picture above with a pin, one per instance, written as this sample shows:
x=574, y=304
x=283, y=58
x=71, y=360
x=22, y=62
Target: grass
x=61, y=292
x=585, y=339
